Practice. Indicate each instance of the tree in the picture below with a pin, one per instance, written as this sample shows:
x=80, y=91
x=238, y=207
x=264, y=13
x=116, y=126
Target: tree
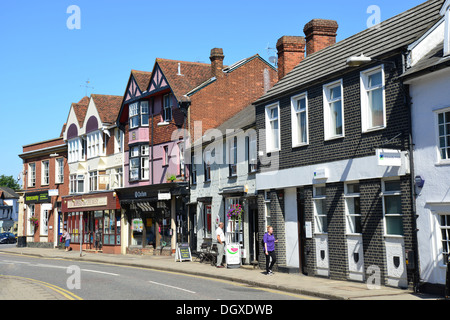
x=9, y=182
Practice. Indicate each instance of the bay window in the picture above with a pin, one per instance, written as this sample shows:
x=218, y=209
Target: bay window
x=139, y=163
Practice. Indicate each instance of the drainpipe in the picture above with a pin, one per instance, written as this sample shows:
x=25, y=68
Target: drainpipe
x=407, y=97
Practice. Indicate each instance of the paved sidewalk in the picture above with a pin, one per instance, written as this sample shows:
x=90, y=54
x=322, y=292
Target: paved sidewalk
x=293, y=283
x=15, y=288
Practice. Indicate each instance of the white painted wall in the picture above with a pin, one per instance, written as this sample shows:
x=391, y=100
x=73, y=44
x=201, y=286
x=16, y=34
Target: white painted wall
x=430, y=93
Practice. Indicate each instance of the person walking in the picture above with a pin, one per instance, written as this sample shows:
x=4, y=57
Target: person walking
x=66, y=237
x=269, y=249
x=220, y=245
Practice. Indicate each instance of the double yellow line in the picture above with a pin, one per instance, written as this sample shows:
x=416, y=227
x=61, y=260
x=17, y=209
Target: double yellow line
x=66, y=293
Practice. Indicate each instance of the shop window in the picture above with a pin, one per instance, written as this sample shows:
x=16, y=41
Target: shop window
x=234, y=230
x=207, y=220
x=44, y=221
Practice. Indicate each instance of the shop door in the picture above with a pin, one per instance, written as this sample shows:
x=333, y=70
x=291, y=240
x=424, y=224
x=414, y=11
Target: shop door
x=193, y=227
x=253, y=234
x=301, y=230
x=98, y=230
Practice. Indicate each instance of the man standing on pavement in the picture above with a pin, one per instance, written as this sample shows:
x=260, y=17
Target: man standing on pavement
x=220, y=245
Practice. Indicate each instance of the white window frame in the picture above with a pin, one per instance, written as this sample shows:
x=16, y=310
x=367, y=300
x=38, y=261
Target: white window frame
x=93, y=180
x=207, y=167
x=351, y=216
x=118, y=145
x=32, y=175
x=45, y=173
x=327, y=104
x=365, y=101
x=232, y=156
x=133, y=115
x=144, y=110
x=385, y=194
x=444, y=229
x=445, y=136
x=320, y=218
x=447, y=32
x=43, y=224
x=59, y=170
x=31, y=212
x=145, y=163
x=267, y=211
x=295, y=120
x=273, y=135
x=252, y=152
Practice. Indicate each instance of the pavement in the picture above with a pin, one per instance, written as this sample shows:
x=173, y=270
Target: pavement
x=317, y=287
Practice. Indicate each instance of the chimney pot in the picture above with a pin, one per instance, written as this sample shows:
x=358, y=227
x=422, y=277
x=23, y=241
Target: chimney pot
x=291, y=51
x=320, y=34
x=217, y=58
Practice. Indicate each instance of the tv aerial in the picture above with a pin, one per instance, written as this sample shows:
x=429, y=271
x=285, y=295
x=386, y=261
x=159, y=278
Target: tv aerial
x=273, y=58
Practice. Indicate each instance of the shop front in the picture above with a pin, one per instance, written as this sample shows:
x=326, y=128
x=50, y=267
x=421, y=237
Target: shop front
x=94, y=222
x=157, y=217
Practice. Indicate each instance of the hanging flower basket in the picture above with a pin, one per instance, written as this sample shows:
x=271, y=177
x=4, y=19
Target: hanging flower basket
x=34, y=221
x=235, y=213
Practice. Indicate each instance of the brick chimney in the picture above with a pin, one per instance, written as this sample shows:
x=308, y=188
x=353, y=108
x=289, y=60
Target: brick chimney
x=291, y=51
x=217, y=58
x=320, y=34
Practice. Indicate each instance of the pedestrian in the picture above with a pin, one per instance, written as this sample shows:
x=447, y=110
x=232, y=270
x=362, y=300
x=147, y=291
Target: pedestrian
x=220, y=245
x=66, y=237
x=269, y=249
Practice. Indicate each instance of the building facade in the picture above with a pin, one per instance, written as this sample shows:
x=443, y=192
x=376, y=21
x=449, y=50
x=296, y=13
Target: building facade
x=334, y=148
x=427, y=78
x=45, y=182
x=91, y=209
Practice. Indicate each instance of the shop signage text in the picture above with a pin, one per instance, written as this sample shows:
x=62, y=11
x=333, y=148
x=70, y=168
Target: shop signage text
x=89, y=202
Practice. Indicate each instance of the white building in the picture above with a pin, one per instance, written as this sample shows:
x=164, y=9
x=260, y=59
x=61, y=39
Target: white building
x=223, y=175
x=9, y=209
x=428, y=78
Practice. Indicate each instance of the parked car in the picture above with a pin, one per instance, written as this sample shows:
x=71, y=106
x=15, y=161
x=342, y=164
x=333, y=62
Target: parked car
x=7, y=237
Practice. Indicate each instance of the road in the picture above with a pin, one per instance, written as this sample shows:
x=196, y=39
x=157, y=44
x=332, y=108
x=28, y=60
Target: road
x=96, y=281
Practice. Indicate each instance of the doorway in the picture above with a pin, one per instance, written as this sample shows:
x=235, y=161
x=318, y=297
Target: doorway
x=193, y=226
x=253, y=230
x=301, y=230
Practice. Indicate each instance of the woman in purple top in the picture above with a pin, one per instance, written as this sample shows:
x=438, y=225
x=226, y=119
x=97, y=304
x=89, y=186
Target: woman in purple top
x=269, y=249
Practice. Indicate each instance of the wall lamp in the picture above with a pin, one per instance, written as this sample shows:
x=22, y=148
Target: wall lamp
x=357, y=61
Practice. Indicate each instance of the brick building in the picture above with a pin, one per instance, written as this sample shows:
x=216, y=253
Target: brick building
x=45, y=182
x=334, y=139
x=187, y=99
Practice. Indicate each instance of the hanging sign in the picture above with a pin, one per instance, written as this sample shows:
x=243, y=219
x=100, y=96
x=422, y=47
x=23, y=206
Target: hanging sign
x=183, y=252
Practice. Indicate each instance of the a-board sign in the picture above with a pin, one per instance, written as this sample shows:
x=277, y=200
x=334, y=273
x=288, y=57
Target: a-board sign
x=183, y=252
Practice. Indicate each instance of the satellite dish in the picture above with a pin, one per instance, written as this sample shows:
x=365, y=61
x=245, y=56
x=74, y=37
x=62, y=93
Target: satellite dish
x=273, y=59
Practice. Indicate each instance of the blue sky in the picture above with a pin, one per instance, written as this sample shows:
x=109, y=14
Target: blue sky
x=43, y=63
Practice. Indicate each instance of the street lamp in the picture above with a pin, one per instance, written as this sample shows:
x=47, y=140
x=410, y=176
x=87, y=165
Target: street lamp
x=357, y=61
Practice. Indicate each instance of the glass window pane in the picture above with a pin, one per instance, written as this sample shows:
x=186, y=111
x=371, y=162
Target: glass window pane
x=376, y=108
x=336, y=118
x=375, y=79
x=393, y=204
x=301, y=104
x=394, y=226
x=392, y=186
x=441, y=118
x=447, y=117
x=335, y=93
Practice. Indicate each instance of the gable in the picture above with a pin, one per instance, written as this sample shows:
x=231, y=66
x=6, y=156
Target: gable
x=158, y=81
x=133, y=90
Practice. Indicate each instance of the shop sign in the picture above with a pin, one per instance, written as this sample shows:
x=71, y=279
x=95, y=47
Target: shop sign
x=164, y=196
x=320, y=173
x=233, y=255
x=87, y=202
x=183, y=252
x=53, y=192
x=389, y=158
x=37, y=197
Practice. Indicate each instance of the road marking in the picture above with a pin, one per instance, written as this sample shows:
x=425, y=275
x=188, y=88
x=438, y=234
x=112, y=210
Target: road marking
x=95, y=271
x=166, y=285
x=66, y=293
x=47, y=266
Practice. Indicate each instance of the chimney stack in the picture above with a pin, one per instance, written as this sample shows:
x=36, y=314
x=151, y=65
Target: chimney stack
x=291, y=51
x=217, y=58
x=320, y=34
